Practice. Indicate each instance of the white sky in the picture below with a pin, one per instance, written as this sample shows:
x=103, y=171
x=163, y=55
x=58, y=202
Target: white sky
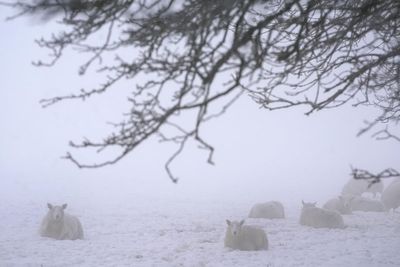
x=259, y=154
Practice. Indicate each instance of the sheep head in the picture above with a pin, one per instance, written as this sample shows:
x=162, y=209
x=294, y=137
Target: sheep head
x=309, y=204
x=235, y=227
x=56, y=212
x=346, y=203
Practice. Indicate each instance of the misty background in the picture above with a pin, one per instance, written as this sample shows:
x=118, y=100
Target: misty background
x=260, y=155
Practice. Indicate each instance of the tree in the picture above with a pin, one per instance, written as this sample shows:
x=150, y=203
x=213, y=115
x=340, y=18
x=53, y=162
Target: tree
x=384, y=134
x=200, y=56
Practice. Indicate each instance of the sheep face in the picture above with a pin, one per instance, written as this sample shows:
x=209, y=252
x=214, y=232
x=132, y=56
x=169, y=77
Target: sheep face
x=346, y=202
x=56, y=212
x=235, y=227
x=309, y=204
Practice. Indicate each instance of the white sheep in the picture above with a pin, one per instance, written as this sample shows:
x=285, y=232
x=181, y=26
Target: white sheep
x=357, y=187
x=365, y=204
x=245, y=237
x=59, y=225
x=320, y=218
x=340, y=204
x=268, y=210
x=391, y=196
x=375, y=188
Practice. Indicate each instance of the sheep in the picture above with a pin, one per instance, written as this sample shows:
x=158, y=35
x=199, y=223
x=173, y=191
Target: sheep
x=340, y=204
x=59, y=225
x=245, y=237
x=357, y=187
x=391, y=196
x=320, y=218
x=365, y=204
x=375, y=188
x=268, y=210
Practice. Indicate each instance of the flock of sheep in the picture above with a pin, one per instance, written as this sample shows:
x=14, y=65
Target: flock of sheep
x=245, y=237
x=59, y=225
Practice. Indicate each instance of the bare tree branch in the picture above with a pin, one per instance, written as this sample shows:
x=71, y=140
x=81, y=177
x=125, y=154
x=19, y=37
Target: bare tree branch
x=205, y=54
x=385, y=134
x=374, y=178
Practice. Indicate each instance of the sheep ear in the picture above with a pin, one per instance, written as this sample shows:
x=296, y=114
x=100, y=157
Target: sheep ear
x=241, y=222
x=228, y=222
x=49, y=206
x=64, y=206
x=302, y=201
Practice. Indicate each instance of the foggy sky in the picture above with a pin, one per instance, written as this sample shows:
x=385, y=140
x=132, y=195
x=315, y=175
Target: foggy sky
x=260, y=154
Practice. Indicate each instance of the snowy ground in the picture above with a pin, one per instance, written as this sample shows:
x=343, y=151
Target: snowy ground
x=174, y=231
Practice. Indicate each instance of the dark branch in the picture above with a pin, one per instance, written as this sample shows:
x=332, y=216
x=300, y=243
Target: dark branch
x=374, y=178
x=195, y=56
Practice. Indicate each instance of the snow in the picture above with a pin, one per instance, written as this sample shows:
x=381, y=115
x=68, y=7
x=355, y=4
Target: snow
x=147, y=221
x=133, y=229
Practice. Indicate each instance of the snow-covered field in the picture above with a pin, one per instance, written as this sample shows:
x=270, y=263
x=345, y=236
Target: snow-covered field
x=141, y=230
x=130, y=219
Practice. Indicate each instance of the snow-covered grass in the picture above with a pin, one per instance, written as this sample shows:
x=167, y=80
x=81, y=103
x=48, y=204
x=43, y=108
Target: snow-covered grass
x=167, y=231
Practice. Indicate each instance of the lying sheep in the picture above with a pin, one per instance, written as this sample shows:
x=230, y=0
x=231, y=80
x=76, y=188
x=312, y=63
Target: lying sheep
x=340, y=204
x=375, y=188
x=245, y=237
x=268, y=210
x=365, y=204
x=59, y=225
x=320, y=218
x=354, y=187
x=357, y=187
x=391, y=196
